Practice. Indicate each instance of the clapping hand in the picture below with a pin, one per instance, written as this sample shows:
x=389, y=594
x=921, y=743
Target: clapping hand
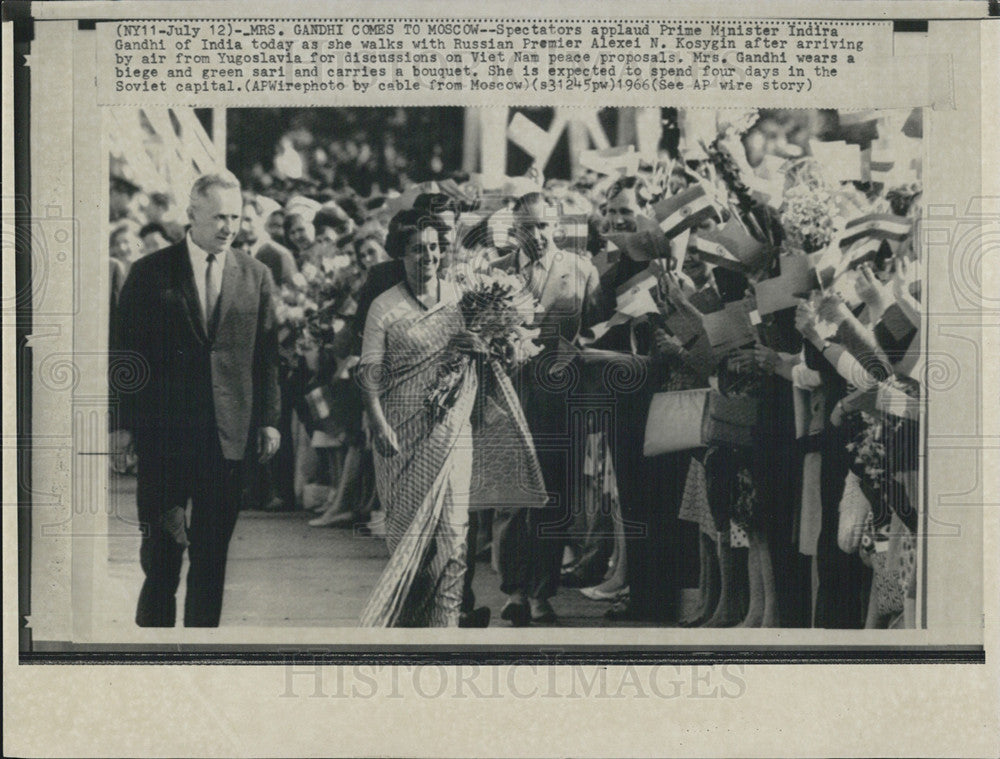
x=875, y=294
x=665, y=346
x=765, y=359
x=837, y=414
x=806, y=319
x=903, y=278
x=742, y=361
x=833, y=309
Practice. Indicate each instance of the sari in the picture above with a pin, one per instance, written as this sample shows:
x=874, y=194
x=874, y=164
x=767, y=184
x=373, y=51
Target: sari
x=425, y=488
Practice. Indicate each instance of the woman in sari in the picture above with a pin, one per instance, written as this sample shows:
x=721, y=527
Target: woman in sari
x=434, y=449
x=423, y=465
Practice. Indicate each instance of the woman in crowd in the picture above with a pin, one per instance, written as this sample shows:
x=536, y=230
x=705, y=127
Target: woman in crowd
x=650, y=495
x=299, y=235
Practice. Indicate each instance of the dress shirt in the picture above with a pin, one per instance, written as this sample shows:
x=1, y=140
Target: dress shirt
x=199, y=264
x=527, y=268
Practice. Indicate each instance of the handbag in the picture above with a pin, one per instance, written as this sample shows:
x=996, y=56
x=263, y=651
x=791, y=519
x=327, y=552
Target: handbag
x=674, y=421
x=729, y=420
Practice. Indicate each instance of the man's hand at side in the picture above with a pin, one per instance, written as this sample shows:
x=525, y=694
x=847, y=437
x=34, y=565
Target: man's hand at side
x=268, y=442
x=175, y=526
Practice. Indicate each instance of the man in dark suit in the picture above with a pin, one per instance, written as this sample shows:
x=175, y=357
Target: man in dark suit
x=201, y=317
x=277, y=258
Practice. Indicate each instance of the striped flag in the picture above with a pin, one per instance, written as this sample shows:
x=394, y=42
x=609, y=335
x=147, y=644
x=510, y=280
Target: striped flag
x=635, y=297
x=731, y=247
x=685, y=210
x=717, y=253
x=881, y=226
x=645, y=244
x=864, y=250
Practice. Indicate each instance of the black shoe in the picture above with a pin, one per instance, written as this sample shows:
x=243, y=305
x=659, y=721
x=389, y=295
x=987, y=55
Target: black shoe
x=573, y=579
x=625, y=611
x=476, y=618
x=542, y=612
x=517, y=613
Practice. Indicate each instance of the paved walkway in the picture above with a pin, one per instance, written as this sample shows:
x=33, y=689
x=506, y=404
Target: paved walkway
x=282, y=572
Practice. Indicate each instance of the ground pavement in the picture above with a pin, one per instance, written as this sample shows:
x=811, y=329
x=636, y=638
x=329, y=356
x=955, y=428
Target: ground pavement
x=282, y=572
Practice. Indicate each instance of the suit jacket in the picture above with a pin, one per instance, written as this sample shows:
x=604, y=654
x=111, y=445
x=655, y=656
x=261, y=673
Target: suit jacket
x=196, y=381
x=279, y=260
x=568, y=291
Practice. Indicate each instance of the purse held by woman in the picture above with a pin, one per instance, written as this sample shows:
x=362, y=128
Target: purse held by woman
x=674, y=421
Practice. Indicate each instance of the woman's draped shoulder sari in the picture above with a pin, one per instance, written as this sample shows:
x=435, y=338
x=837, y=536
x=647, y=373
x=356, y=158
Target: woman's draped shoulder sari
x=425, y=488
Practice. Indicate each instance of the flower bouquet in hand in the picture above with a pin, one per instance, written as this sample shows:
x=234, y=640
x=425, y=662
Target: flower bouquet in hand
x=497, y=310
x=807, y=215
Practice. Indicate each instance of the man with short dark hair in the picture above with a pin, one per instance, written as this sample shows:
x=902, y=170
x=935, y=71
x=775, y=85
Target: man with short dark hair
x=200, y=317
x=277, y=258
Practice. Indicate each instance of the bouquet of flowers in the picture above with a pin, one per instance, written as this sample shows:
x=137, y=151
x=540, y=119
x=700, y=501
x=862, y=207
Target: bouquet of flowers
x=330, y=285
x=807, y=216
x=497, y=309
x=310, y=313
x=293, y=312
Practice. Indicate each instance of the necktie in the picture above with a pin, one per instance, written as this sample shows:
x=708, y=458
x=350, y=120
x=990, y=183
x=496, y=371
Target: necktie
x=211, y=292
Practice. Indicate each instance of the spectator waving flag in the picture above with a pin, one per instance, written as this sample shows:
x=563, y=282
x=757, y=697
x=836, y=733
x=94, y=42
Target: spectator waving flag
x=635, y=297
x=881, y=226
x=731, y=247
x=685, y=210
x=647, y=243
x=863, y=250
